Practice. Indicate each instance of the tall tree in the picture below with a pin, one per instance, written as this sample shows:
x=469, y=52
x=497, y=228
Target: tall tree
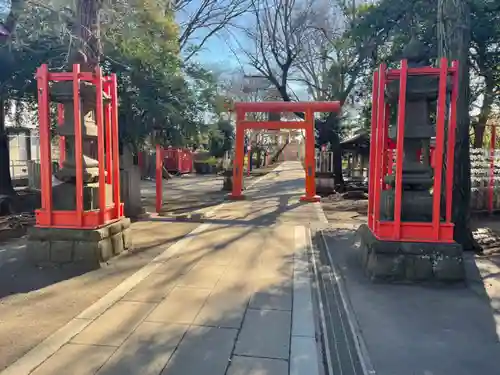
x=296, y=41
x=87, y=32
x=485, y=59
x=201, y=20
x=11, y=14
x=454, y=37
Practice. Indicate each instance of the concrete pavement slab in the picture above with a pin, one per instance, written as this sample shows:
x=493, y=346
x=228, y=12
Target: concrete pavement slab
x=304, y=356
x=265, y=333
x=115, y=325
x=257, y=366
x=146, y=351
x=178, y=265
x=202, y=276
x=153, y=288
x=76, y=359
x=181, y=306
x=303, y=314
x=277, y=297
x=203, y=350
x=223, y=309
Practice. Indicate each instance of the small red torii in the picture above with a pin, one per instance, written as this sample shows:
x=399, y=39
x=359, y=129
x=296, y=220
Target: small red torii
x=308, y=108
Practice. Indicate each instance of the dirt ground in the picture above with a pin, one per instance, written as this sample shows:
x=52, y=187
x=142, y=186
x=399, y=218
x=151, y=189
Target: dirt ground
x=181, y=194
x=338, y=209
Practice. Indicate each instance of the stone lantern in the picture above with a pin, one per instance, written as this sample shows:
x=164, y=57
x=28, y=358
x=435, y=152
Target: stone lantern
x=417, y=180
x=62, y=92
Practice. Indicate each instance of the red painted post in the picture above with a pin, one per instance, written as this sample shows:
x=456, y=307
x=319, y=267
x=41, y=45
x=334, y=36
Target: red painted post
x=388, y=159
x=45, y=149
x=115, y=146
x=373, y=137
x=62, y=142
x=180, y=158
x=398, y=188
x=78, y=145
x=438, y=154
x=380, y=142
x=310, y=159
x=109, y=136
x=491, y=184
x=238, y=156
x=159, y=178
x=249, y=161
x=450, y=154
x=100, y=143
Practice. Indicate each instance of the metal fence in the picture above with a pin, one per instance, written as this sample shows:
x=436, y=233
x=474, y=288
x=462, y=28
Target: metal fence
x=324, y=161
x=24, y=155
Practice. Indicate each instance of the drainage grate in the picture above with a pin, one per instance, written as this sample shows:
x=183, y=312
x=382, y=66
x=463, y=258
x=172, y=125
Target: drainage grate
x=339, y=348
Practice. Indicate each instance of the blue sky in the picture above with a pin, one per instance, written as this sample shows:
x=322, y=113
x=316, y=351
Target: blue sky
x=222, y=53
x=216, y=50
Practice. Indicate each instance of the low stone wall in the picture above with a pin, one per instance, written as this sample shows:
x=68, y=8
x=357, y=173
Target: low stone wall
x=393, y=261
x=58, y=246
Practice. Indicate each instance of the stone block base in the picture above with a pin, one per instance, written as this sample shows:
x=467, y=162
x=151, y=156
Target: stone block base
x=392, y=261
x=58, y=246
x=325, y=183
x=66, y=196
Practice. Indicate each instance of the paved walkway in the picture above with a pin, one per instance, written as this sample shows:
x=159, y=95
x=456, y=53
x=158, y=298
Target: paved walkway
x=231, y=298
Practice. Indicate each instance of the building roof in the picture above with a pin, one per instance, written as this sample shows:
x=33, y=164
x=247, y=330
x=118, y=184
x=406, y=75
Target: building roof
x=358, y=142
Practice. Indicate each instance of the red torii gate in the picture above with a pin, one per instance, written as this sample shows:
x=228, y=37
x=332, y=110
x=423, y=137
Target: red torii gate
x=308, y=108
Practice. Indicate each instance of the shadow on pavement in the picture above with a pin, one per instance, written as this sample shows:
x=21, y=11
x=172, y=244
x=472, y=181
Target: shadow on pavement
x=417, y=329
x=167, y=326
x=48, y=307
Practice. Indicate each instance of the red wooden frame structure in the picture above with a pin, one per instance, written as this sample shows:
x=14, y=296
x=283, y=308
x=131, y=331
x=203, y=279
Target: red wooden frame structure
x=437, y=230
x=108, y=152
x=309, y=108
x=159, y=178
x=178, y=160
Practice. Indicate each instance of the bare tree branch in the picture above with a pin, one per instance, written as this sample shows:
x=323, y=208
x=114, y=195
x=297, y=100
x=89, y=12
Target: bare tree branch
x=202, y=19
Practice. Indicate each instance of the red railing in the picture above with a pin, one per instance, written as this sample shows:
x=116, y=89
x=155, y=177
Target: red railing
x=381, y=156
x=108, y=155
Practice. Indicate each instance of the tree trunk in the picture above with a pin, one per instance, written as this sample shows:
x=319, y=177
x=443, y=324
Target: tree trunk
x=5, y=177
x=485, y=112
x=328, y=133
x=453, y=42
x=87, y=30
x=337, y=162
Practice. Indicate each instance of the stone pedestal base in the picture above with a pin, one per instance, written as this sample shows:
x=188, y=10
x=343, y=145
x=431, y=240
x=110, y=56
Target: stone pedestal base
x=227, y=184
x=410, y=261
x=58, y=246
x=65, y=196
x=325, y=183
x=232, y=197
x=313, y=199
